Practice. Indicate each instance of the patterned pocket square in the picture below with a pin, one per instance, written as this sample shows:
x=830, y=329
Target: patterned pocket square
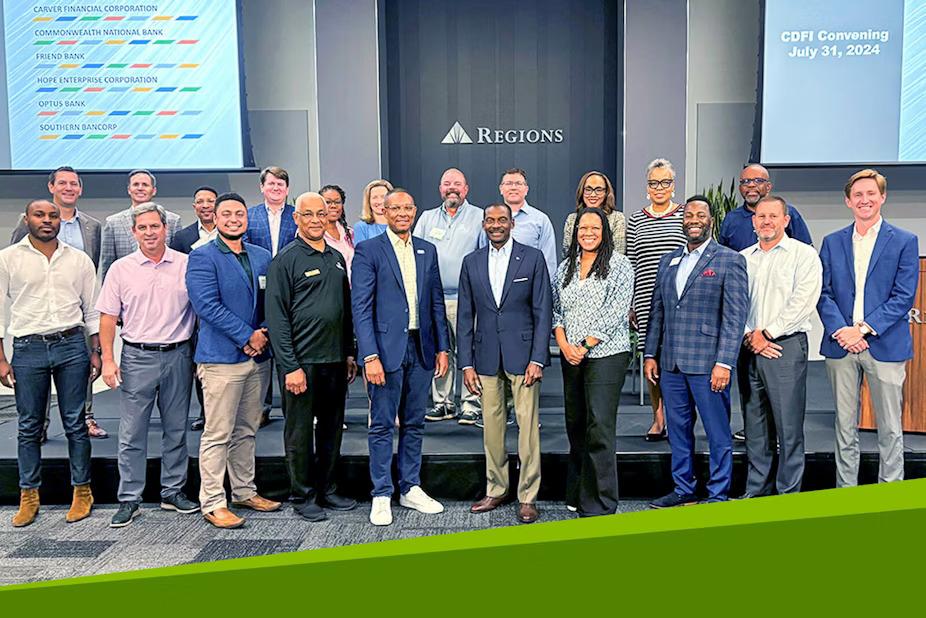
x=709, y=273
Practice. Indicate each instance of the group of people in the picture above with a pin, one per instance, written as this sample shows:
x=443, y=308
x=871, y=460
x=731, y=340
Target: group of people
x=407, y=301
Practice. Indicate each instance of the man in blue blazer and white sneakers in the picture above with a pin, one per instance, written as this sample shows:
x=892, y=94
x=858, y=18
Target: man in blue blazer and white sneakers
x=697, y=321
x=402, y=338
x=226, y=279
x=870, y=274
x=504, y=320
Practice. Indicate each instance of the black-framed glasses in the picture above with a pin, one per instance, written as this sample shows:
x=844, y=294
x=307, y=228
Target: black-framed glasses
x=660, y=184
x=595, y=190
x=757, y=182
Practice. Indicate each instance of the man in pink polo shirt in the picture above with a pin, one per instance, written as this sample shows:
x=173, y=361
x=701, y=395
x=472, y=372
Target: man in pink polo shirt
x=147, y=291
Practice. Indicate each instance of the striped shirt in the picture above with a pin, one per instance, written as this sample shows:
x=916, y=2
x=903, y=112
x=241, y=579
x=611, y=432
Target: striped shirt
x=649, y=237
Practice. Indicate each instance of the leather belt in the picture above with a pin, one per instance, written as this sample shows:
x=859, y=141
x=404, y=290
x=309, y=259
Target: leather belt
x=148, y=347
x=53, y=336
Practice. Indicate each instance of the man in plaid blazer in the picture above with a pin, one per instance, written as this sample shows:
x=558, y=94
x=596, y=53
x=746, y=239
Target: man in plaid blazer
x=117, y=238
x=697, y=321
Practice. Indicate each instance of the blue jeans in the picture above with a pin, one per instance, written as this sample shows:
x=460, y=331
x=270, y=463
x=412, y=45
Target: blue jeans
x=406, y=394
x=35, y=363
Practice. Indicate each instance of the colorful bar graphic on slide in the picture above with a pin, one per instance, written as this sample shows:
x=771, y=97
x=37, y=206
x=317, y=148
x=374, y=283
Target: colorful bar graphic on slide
x=122, y=85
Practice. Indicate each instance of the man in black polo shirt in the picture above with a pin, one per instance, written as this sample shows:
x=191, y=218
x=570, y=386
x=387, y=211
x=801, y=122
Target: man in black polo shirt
x=309, y=316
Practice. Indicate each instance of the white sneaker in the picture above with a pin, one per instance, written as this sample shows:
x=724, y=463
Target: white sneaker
x=381, y=511
x=420, y=501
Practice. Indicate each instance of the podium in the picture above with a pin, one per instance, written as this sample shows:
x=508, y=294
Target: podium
x=914, y=388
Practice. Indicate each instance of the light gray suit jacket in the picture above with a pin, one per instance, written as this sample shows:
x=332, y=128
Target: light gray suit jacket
x=90, y=229
x=118, y=241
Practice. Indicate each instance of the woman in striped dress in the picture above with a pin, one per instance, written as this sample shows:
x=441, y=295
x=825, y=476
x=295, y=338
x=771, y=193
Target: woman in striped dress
x=651, y=233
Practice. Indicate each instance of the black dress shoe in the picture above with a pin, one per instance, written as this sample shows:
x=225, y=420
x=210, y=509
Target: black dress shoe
x=264, y=420
x=198, y=424
x=657, y=437
x=673, y=499
x=310, y=511
x=337, y=503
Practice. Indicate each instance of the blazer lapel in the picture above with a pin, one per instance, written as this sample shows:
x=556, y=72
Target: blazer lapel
x=514, y=265
x=236, y=266
x=885, y=235
x=85, y=234
x=391, y=259
x=482, y=273
x=669, y=279
x=703, y=261
x=849, y=251
x=420, y=273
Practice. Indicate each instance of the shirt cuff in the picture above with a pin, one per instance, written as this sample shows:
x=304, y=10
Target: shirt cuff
x=724, y=365
x=467, y=367
x=538, y=364
x=370, y=357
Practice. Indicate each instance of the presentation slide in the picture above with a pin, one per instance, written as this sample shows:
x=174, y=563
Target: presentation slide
x=844, y=82
x=116, y=86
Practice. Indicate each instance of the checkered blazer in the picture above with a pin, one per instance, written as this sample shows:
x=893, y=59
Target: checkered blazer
x=705, y=325
x=117, y=240
x=259, y=227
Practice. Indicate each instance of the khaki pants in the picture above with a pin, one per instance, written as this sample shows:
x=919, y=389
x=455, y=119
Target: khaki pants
x=494, y=414
x=233, y=401
x=442, y=389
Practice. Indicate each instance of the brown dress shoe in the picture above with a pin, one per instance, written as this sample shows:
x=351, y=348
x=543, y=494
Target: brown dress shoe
x=28, y=508
x=487, y=504
x=81, y=504
x=527, y=513
x=257, y=503
x=223, y=518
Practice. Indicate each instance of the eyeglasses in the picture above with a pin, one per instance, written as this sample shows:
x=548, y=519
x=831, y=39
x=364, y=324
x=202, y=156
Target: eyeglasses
x=514, y=183
x=758, y=182
x=334, y=202
x=311, y=215
x=406, y=209
x=594, y=190
x=660, y=184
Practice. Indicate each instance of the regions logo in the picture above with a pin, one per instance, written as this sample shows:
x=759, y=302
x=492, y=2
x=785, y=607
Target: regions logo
x=485, y=135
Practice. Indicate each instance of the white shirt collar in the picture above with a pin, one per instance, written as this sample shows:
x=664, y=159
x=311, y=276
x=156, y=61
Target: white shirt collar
x=697, y=252
x=872, y=231
x=505, y=250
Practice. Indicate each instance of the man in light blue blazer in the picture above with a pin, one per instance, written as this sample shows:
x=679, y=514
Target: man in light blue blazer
x=401, y=329
x=225, y=280
x=870, y=275
x=697, y=321
x=271, y=225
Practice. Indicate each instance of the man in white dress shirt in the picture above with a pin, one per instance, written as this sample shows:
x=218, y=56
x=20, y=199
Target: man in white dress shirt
x=785, y=276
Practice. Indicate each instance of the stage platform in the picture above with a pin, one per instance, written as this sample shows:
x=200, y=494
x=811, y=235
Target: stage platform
x=453, y=464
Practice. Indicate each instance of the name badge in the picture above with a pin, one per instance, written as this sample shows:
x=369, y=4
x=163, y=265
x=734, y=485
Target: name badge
x=520, y=280
x=675, y=261
x=338, y=264
x=262, y=281
x=438, y=233
x=420, y=252
x=313, y=273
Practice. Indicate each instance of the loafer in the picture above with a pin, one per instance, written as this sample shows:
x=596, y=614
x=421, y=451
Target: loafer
x=223, y=518
x=310, y=511
x=487, y=504
x=198, y=424
x=95, y=430
x=528, y=513
x=673, y=499
x=257, y=503
x=180, y=503
x=337, y=503
x=127, y=512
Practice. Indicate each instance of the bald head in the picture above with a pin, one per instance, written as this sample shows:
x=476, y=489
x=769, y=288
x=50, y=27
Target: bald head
x=311, y=216
x=453, y=188
x=754, y=184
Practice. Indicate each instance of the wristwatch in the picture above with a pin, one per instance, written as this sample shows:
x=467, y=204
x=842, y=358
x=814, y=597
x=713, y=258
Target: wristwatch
x=864, y=329
x=97, y=350
x=586, y=346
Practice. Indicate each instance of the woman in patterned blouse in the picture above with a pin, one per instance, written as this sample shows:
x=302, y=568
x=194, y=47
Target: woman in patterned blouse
x=651, y=233
x=595, y=191
x=591, y=304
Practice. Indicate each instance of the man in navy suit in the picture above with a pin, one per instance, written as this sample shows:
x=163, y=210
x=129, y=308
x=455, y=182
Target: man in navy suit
x=401, y=328
x=504, y=320
x=870, y=274
x=225, y=281
x=697, y=321
x=192, y=237
x=271, y=225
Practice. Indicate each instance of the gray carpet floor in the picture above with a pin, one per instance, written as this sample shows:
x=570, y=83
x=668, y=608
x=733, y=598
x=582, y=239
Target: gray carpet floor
x=51, y=549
